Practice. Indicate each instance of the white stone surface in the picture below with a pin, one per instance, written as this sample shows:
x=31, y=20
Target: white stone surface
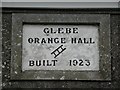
x=78, y=51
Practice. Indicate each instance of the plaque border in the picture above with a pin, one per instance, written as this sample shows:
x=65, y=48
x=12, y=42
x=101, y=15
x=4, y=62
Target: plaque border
x=103, y=20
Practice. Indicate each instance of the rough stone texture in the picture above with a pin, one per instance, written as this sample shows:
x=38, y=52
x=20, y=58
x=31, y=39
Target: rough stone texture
x=115, y=57
x=6, y=49
x=0, y=49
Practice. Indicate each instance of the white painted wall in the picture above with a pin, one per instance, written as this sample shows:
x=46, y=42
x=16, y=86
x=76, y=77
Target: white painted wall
x=61, y=4
x=60, y=0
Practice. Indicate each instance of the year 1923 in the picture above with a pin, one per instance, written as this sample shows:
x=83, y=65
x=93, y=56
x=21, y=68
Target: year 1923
x=79, y=62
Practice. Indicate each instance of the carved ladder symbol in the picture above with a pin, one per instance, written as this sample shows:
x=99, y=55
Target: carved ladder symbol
x=58, y=51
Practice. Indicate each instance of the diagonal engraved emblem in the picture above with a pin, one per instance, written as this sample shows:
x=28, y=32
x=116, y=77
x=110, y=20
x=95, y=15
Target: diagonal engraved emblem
x=58, y=51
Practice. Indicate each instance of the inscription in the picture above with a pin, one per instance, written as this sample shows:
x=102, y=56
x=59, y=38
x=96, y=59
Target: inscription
x=60, y=47
x=60, y=40
x=42, y=63
x=59, y=50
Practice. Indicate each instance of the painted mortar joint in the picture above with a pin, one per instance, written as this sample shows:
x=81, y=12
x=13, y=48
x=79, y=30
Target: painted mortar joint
x=119, y=4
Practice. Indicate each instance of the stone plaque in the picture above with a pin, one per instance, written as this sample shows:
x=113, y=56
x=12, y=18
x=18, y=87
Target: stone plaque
x=60, y=47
